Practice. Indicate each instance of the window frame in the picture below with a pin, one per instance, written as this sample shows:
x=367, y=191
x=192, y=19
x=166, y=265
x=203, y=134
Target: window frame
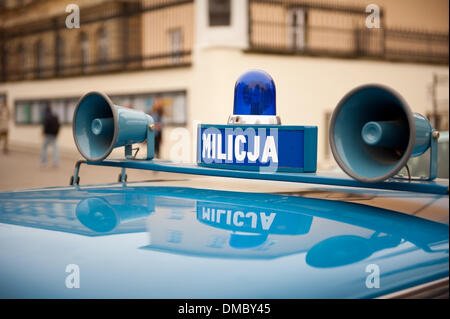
x=217, y=17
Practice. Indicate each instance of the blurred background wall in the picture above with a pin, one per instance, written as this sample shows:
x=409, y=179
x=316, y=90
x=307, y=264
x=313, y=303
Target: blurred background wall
x=190, y=53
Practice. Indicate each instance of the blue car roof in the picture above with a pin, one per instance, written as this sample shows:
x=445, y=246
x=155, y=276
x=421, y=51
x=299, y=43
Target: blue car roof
x=159, y=240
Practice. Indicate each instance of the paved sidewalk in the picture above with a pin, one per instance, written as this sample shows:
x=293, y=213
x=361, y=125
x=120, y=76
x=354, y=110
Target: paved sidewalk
x=21, y=169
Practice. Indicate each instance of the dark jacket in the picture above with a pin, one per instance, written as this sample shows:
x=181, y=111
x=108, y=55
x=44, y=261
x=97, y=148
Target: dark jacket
x=51, y=124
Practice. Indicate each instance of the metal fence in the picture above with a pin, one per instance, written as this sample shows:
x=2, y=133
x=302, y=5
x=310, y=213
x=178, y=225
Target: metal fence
x=144, y=34
x=304, y=28
x=113, y=36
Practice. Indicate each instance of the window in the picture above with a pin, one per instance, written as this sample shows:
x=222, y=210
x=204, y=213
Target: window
x=23, y=113
x=58, y=108
x=40, y=56
x=296, y=27
x=102, y=53
x=219, y=13
x=31, y=111
x=20, y=60
x=439, y=119
x=35, y=111
x=84, y=47
x=60, y=53
x=174, y=105
x=439, y=116
x=176, y=44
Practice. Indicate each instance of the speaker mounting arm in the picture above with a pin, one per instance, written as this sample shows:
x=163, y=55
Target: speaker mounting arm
x=431, y=187
x=75, y=178
x=433, y=161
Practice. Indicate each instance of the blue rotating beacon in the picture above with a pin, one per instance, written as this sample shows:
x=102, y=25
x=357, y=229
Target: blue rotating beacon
x=254, y=138
x=254, y=99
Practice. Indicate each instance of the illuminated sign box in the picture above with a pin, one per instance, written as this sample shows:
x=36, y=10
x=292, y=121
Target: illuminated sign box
x=258, y=147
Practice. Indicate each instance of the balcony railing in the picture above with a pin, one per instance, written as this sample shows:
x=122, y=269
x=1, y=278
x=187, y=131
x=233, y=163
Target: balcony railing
x=119, y=36
x=296, y=27
x=115, y=36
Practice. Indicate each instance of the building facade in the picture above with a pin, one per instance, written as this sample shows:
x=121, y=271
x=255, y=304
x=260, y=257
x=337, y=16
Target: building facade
x=190, y=53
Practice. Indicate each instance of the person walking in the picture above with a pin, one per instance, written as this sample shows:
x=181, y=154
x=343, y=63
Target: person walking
x=51, y=129
x=157, y=115
x=4, y=125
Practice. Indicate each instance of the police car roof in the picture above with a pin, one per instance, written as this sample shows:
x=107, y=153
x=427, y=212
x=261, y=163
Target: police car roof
x=202, y=237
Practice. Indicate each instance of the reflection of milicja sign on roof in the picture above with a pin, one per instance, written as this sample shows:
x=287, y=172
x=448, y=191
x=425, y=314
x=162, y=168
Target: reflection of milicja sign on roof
x=269, y=226
x=249, y=221
x=252, y=219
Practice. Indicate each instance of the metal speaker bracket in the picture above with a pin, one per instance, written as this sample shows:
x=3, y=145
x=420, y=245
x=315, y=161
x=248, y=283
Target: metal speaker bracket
x=433, y=165
x=75, y=178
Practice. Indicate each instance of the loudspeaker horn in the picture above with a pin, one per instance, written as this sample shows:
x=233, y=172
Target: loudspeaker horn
x=373, y=133
x=99, y=126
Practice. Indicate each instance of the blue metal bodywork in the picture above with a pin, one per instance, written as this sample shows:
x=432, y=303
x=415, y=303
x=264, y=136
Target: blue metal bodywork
x=178, y=242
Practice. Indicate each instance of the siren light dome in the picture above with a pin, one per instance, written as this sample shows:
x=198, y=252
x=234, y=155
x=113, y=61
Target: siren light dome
x=254, y=94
